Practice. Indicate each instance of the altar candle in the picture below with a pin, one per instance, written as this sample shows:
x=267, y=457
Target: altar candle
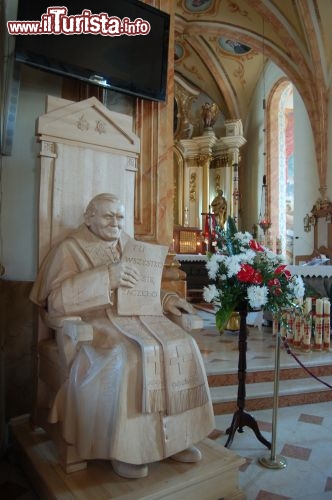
x=297, y=336
x=307, y=325
x=326, y=324
x=318, y=334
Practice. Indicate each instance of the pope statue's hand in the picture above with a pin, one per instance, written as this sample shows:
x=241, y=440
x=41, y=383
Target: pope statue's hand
x=122, y=275
x=176, y=305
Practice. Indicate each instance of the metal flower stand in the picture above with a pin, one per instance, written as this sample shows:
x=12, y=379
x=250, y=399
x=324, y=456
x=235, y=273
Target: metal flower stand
x=275, y=461
x=240, y=417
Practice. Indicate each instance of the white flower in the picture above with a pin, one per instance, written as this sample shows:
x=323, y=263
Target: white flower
x=212, y=265
x=243, y=237
x=297, y=287
x=257, y=296
x=210, y=293
x=233, y=265
x=273, y=257
x=248, y=257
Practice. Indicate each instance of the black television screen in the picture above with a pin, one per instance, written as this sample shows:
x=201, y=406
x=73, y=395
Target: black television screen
x=123, y=58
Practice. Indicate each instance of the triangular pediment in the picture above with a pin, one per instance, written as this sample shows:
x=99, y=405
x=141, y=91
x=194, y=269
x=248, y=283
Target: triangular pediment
x=88, y=122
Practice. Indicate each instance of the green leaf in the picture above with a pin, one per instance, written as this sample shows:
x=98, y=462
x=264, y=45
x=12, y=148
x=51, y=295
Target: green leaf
x=222, y=317
x=231, y=227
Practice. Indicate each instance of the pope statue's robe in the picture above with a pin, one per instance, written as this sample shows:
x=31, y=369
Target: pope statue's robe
x=138, y=392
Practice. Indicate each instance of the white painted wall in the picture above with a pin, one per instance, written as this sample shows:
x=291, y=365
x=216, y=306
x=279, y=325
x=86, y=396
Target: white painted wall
x=306, y=184
x=306, y=177
x=20, y=173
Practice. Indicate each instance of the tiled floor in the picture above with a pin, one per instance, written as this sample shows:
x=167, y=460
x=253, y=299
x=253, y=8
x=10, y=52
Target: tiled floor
x=303, y=437
x=303, y=434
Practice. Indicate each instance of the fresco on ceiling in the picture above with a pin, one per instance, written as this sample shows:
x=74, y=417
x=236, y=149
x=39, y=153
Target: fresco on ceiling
x=198, y=5
x=233, y=47
x=178, y=52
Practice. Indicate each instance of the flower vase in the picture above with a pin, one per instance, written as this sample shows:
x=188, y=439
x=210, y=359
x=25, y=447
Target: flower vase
x=223, y=317
x=234, y=322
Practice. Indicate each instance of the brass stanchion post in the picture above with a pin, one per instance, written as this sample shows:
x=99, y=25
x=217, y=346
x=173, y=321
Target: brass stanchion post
x=275, y=461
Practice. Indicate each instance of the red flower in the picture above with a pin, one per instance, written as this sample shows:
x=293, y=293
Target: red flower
x=248, y=274
x=273, y=282
x=254, y=245
x=282, y=270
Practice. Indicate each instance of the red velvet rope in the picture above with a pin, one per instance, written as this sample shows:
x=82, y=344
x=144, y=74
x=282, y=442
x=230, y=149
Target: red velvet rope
x=289, y=351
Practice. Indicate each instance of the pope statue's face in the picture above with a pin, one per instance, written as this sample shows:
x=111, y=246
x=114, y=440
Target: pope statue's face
x=107, y=222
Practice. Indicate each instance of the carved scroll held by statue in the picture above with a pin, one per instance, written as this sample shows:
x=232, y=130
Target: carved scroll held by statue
x=219, y=208
x=144, y=297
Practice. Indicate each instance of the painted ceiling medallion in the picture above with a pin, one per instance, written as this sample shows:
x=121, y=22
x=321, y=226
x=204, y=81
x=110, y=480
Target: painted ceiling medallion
x=233, y=47
x=198, y=5
x=178, y=52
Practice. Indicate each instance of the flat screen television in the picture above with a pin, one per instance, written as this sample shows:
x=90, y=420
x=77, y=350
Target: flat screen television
x=135, y=64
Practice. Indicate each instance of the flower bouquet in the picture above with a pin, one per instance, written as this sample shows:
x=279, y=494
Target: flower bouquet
x=243, y=271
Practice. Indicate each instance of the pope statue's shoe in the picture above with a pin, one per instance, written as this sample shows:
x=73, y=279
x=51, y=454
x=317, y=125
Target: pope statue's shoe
x=189, y=455
x=130, y=471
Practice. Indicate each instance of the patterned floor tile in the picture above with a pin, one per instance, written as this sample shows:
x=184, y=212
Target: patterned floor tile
x=293, y=451
x=311, y=419
x=267, y=495
x=265, y=426
x=328, y=485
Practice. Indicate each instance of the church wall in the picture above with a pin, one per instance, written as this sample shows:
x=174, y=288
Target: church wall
x=20, y=177
x=329, y=146
x=306, y=185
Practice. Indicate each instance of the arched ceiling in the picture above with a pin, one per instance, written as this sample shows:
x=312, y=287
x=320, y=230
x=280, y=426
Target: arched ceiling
x=294, y=34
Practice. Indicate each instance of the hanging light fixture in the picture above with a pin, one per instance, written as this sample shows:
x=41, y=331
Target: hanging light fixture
x=264, y=221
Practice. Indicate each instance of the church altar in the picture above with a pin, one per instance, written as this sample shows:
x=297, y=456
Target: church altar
x=311, y=271
x=194, y=265
x=317, y=277
x=323, y=271
x=191, y=257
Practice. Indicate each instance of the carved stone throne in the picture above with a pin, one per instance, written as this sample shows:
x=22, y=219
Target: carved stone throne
x=85, y=150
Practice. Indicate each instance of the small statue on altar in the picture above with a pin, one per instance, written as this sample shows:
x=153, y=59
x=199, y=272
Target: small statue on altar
x=209, y=114
x=219, y=208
